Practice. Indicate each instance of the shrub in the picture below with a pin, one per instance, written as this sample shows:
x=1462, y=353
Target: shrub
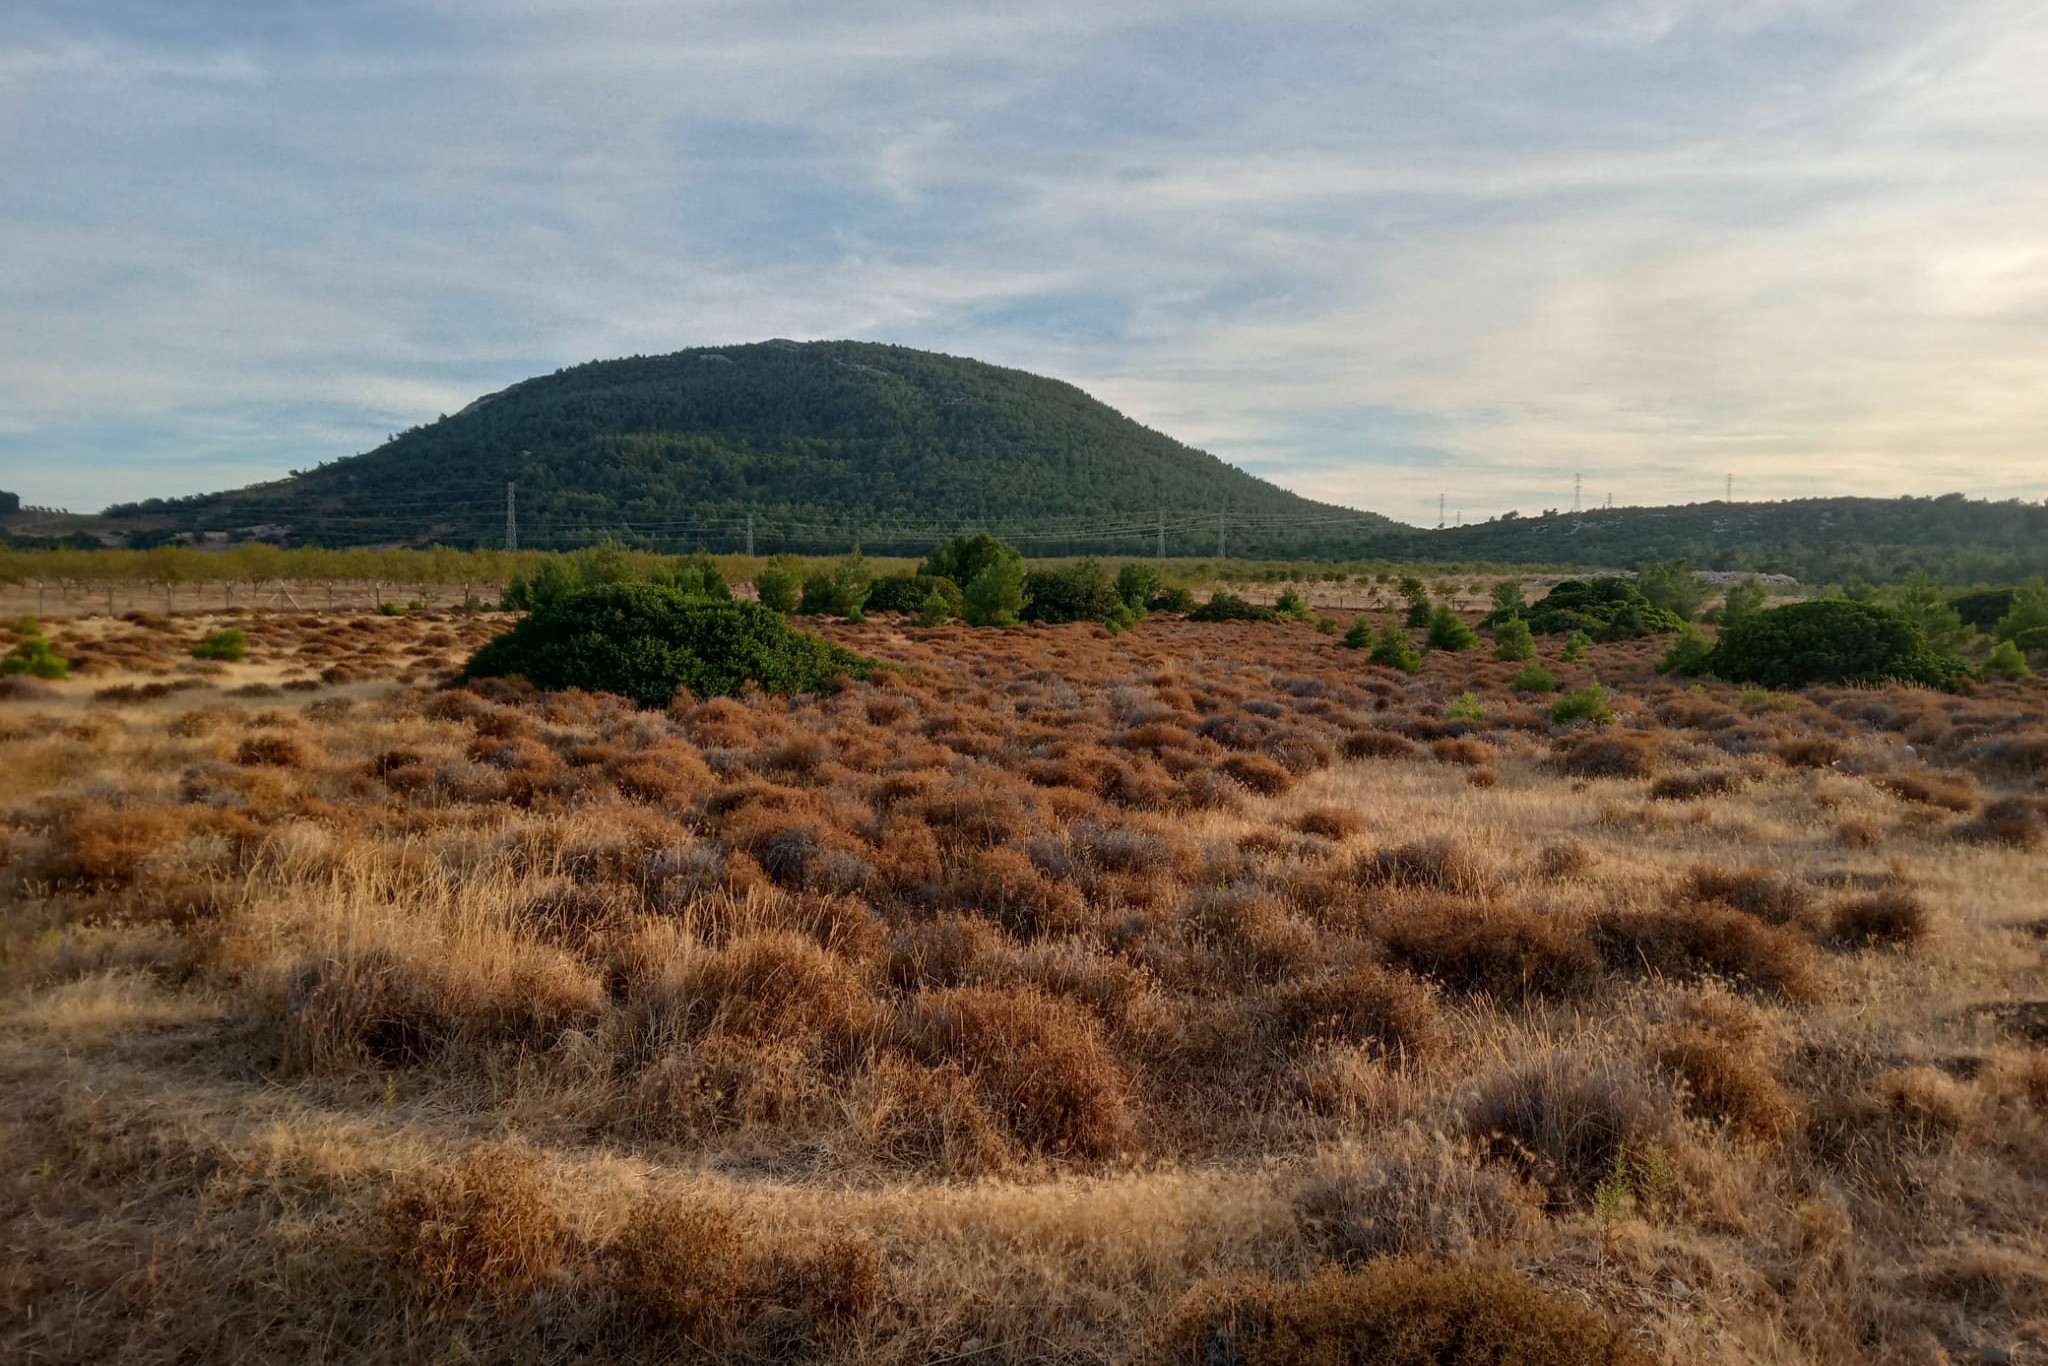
x=227, y=644
x=1606, y=608
x=1512, y=640
x=1743, y=600
x=1688, y=654
x=696, y=576
x=1359, y=636
x=679, y=1266
x=1583, y=704
x=964, y=558
x=1448, y=631
x=1137, y=583
x=937, y=611
x=1293, y=604
x=778, y=583
x=1414, y=1195
x=1983, y=608
x=1419, y=605
x=485, y=1224
x=908, y=593
x=1368, y=1004
x=1709, y=940
x=1755, y=891
x=1467, y=707
x=2005, y=662
x=34, y=657
x=1080, y=592
x=1224, y=605
x=1171, y=600
x=1725, y=1078
x=1575, y=646
x=1893, y=916
x=1830, y=640
x=1608, y=756
x=839, y=591
x=1394, y=650
x=1672, y=586
x=1393, y=1312
x=645, y=643
x=2028, y=615
x=995, y=595
x=1508, y=953
x=1437, y=865
x=1533, y=677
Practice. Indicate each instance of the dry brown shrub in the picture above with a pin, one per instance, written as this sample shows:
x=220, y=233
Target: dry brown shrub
x=1298, y=752
x=1715, y=1054
x=1252, y=930
x=1504, y=951
x=1567, y=1120
x=1462, y=750
x=1608, y=756
x=1858, y=833
x=273, y=751
x=1811, y=751
x=1709, y=940
x=1158, y=737
x=1008, y=885
x=1758, y=891
x=1984, y=1278
x=724, y=1082
x=1482, y=777
x=1927, y=1101
x=2013, y=821
x=950, y=951
x=1437, y=865
x=485, y=1224
x=981, y=817
x=1366, y=1004
x=1414, y=1195
x=672, y=776
x=1379, y=744
x=930, y=1119
x=1040, y=1062
x=1256, y=773
x=98, y=846
x=1948, y=791
x=770, y=985
x=681, y=1266
x=1564, y=860
x=1893, y=916
x=1330, y=822
x=1682, y=787
x=828, y=1290
x=1398, y=1311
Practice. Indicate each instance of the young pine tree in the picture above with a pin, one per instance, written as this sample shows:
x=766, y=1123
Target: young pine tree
x=1448, y=631
x=1395, y=650
x=1512, y=640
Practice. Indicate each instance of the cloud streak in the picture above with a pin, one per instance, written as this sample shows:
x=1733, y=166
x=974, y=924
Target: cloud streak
x=1372, y=252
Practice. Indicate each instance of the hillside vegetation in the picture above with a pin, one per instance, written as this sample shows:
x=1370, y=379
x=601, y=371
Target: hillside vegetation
x=823, y=443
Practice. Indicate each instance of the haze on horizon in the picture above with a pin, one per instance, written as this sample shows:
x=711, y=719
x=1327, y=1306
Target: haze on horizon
x=1370, y=253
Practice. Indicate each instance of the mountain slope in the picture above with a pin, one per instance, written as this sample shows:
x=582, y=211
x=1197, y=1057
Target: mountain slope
x=821, y=442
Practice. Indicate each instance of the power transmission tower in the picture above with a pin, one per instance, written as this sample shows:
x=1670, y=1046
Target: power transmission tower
x=1578, y=484
x=1439, y=512
x=750, y=535
x=1219, y=533
x=511, y=516
x=1162, y=533
x=1731, y=489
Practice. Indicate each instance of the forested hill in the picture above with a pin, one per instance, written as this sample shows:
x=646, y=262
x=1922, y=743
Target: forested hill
x=1817, y=540
x=821, y=442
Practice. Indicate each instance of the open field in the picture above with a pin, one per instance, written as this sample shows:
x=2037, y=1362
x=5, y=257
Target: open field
x=1053, y=996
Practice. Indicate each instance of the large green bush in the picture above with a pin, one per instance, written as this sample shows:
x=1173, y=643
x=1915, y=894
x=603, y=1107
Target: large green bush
x=963, y=558
x=1224, y=605
x=1829, y=640
x=908, y=592
x=645, y=642
x=1080, y=592
x=1606, y=608
x=229, y=643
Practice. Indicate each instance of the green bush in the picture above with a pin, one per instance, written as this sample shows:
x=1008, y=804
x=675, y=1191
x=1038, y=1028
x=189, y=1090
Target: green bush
x=1533, y=677
x=963, y=558
x=1224, y=605
x=1583, y=704
x=937, y=611
x=391, y=609
x=1137, y=583
x=1396, y=651
x=1508, y=599
x=1293, y=604
x=1513, y=641
x=696, y=576
x=1983, y=608
x=778, y=582
x=1448, y=631
x=1606, y=608
x=996, y=595
x=1171, y=600
x=1419, y=606
x=1326, y=625
x=909, y=592
x=1359, y=637
x=1575, y=646
x=2005, y=662
x=1466, y=708
x=1688, y=654
x=1829, y=640
x=1080, y=592
x=839, y=591
x=646, y=642
x=1919, y=601
x=228, y=644
x=2028, y=613
x=1743, y=599
x=33, y=656
x=1672, y=586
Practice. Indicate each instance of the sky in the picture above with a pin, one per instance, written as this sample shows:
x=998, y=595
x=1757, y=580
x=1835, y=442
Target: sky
x=1373, y=250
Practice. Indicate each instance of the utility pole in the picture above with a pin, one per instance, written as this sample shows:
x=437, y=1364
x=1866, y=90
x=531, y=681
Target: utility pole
x=511, y=516
x=1730, y=494
x=1439, y=512
x=1219, y=533
x=750, y=535
x=1578, y=484
x=1162, y=533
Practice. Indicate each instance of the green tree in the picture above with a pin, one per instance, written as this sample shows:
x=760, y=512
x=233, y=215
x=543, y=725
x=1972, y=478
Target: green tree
x=1448, y=631
x=937, y=610
x=1136, y=582
x=995, y=596
x=838, y=591
x=1688, y=653
x=1513, y=640
x=1743, y=599
x=1924, y=604
x=1672, y=586
x=1395, y=650
x=778, y=583
x=964, y=557
x=1359, y=637
x=1533, y=677
x=1575, y=646
x=2005, y=662
x=1507, y=596
x=2028, y=614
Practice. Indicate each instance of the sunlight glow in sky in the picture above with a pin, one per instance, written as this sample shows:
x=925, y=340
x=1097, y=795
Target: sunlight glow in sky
x=1370, y=251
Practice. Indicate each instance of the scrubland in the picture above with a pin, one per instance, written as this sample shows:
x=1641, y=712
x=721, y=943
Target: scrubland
x=1199, y=994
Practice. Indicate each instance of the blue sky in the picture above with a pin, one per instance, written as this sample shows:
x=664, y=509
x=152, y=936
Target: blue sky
x=1373, y=251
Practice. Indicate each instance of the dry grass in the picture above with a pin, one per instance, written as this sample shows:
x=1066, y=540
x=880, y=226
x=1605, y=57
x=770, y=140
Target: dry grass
x=1198, y=992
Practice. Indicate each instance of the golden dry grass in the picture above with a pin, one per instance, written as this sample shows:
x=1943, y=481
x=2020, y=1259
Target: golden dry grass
x=1054, y=996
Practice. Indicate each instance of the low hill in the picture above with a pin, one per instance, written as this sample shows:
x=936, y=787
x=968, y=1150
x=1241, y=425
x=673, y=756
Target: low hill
x=820, y=442
x=1816, y=540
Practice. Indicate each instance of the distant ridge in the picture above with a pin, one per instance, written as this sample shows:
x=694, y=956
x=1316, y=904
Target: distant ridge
x=819, y=442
